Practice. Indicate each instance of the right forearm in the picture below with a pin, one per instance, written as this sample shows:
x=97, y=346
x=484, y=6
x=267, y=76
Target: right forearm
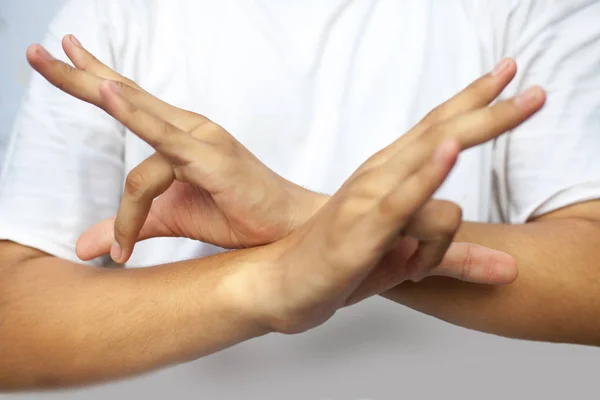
x=63, y=324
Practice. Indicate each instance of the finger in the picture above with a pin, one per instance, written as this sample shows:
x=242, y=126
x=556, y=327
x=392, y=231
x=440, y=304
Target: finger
x=171, y=142
x=98, y=240
x=471, y=129
x=435, y=224
x=412, y=193
x=143, y=184
x=487, y=123
x=428, y=256
x=478, y=94
x=473, y=263
x=389, y=272
x=394, y=210
x=86, y=86
x=66, y=78
x=435, y=218
x=86, y=61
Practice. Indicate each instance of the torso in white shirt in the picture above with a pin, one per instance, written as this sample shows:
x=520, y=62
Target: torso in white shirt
x=314, y=90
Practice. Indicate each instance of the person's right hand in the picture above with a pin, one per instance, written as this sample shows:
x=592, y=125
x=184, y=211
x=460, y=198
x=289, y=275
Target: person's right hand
x=210, y=188
x=335, y=258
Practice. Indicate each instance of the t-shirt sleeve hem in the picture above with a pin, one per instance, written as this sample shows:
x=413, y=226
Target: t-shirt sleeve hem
x=43, y=244
x=575, y=195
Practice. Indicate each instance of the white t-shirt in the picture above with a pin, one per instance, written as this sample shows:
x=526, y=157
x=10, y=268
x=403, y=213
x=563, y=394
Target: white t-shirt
x=312, y=88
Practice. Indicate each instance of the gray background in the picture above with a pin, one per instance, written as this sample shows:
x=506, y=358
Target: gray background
x=425, y=358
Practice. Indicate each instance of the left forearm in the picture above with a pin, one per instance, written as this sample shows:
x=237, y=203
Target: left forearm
x=555, y=298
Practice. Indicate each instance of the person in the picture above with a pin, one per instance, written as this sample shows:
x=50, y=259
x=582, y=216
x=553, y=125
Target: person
x=548, y=213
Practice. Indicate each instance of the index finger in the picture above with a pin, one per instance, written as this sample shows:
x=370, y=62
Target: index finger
x=478, y=94
x=86, y=86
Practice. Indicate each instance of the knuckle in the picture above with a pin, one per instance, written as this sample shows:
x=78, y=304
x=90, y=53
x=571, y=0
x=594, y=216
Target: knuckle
x=388, y=207
x=128, y=82
x=207, y=130
x=65, y=68
x=416, y=276
x=167, y=132
x=189, y=121
x=121, y=229
x=120, y=85
x=449, y=217
x=64, y=75
x=375, y=160
x=436, y=132
x=455, y=215
x=436, y=115
x=467, y=264
x=353, y=206
x=136, y=184
x=130, y=108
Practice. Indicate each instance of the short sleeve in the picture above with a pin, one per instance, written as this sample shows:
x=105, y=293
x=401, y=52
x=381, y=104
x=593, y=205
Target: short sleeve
x=63, y=169
x=552, y=160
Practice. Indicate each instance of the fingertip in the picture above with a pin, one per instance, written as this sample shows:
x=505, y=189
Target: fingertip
x=541, y=94
x=30, y=52
x=66, y=42
x=37, y=53
x=116, y=253
x=512, y=67
x=81, y=251
x=507, y=271
x=84, y=248
x=73, y=40
x=96, y=241
x=532, y=99
x=73, y=49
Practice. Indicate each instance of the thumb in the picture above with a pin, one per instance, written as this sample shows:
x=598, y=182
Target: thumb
x=478, y=264
x=98, y=239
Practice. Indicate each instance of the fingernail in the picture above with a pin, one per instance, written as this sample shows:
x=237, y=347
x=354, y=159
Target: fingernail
x=43, y=53
x=527, y=97
x=115, y=252
x=500, y=68
x=76, y=42
x=114, y=87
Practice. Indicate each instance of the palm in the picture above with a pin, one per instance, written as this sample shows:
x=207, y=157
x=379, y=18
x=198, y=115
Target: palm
x=188, y=211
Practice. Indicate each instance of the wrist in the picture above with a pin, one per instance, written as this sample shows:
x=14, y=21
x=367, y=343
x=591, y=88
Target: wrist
x=304, y=204
x=247, y=291
x=260, y=292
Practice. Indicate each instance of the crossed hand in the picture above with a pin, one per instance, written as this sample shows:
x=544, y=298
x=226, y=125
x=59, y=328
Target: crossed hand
x=321, y=253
